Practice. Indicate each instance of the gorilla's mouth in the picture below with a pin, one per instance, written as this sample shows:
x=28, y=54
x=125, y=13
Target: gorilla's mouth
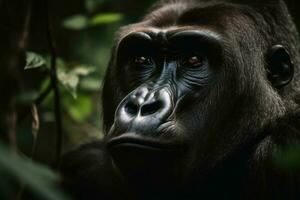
x=146, y=160
x=132, y=141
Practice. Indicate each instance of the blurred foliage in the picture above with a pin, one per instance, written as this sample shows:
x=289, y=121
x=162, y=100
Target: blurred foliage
x=288, y=158
x=84, y=36
x=79, y=22
x=26, y=97
x=39, y=180
x=70, y=79
x=91, y=5
x=84, y=32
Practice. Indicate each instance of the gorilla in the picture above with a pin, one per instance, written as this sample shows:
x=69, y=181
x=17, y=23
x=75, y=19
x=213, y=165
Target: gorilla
x=199, y=99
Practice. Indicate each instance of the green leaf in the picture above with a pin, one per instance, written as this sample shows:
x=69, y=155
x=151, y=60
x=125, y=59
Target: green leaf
x=37, y=178
x=105, y=18
x=79, y=109
x=83, y=70
x=90, y=84
x=76, y=22
x=69, y=81
x=34, y=60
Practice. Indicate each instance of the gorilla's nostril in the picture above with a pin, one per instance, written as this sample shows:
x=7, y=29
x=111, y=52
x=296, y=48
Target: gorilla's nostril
x=131, y=108
x=151, y=108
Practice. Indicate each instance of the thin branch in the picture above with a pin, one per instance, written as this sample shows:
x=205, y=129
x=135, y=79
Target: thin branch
x=54, y=83
x=37, y=102
x=24, y=37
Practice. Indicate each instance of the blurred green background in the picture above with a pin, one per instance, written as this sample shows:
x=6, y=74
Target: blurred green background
x=84, y=33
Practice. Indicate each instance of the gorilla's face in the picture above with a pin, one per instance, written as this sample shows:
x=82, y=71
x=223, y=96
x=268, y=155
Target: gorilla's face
x=168, y=74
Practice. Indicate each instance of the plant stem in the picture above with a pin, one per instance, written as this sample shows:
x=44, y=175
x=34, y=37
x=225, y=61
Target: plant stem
x=54, y=83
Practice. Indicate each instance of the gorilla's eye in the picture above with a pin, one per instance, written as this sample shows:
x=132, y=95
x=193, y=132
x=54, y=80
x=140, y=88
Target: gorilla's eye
x=142, y=60
x=194, y=60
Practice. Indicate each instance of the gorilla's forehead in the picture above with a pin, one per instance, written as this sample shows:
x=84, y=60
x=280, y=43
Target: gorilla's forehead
x=211, y=18
x=212, y=13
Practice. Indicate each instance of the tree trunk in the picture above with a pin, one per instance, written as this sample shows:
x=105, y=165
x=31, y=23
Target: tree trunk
x=14, y=19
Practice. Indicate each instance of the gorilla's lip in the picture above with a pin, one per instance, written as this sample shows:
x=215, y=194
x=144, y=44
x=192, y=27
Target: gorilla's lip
x=136, y=141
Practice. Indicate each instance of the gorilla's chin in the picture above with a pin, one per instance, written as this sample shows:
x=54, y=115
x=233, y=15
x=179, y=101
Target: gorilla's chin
x=146, y=161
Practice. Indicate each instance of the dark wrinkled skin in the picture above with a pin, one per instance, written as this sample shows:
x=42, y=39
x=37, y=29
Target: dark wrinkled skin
x=198, y=100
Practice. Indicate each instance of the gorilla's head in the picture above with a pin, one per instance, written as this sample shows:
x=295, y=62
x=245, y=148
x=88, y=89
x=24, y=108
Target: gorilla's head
x=195, y=82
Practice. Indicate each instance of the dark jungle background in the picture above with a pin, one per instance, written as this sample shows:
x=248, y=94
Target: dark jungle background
x=53, y=59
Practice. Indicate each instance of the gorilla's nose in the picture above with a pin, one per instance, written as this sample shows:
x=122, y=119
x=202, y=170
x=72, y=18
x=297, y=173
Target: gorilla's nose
x=145, y=108
x=146, y=103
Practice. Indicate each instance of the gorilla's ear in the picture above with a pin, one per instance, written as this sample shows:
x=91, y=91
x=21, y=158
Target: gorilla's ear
x=280, y=69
